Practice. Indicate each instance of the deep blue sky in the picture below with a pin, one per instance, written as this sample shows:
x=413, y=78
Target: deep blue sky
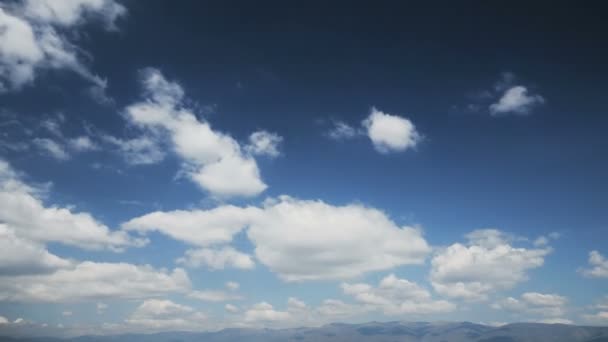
x=297, y=70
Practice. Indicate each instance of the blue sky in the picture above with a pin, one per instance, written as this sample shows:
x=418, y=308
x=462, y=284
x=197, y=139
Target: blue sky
x=200, y=166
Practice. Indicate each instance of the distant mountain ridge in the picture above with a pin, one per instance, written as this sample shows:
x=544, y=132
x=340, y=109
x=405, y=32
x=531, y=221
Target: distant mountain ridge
x=370, y=332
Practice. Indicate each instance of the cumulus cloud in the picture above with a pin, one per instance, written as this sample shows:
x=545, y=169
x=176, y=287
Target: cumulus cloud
x=214, y=160
x=218, y=295
x=264, y=312
x=311, y=240
x=20, y=256
x=487, y=263
x=231, y=308
x=214, y=296
x=599, y=266
x=390, y=133
x=600, y=314
x=298, y=313
x=22, y=210
x=197, y=227
x=264, y=143
x=82, y=143
x=550, y=306
x=508, y=96
x=217, y=259
x=394, y=296
x=516, y=100
x=298, y=239
x=92, y=281
x=162, y=315
x=32, y=39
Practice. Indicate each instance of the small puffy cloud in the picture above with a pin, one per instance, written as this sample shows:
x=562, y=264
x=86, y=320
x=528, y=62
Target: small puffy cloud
x=394, y=296
x=390, y=133
x=599, y=266
x=233, y=285
x=548, y=306
x=67, y=313
x=217, y=259
x=516, y=100
x=213, y=160
x=264, y=143
x=214, y=296
x=32, y=38
x=52, y=148
x=342, y=131
x=231, y=308
x=298, y=239
x=264, y=312
x=506, y=97
x=162, y=315
x=22, y=210
x=4, y=320
x=92, y=280
x=82, y=143
x=486, y=264
x=101, y=307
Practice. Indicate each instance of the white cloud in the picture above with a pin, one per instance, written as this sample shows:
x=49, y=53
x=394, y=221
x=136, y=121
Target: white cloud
x=52, y=148
x=390, y=133
x=264, y=143
x=214, y=296
x=232, y=285
x=298, y=239
x=264, y=312
x=217, y=259
x=163, y=315
x=534, y=303
x=25, y=214
x=20, y=256
x=92, y=280
x=4, y=320
x=297, y=313
x=516, y=100
x=197, y=227
x=599, y=266
x=101, y=307
x=67, y=313
x=311, y=240
x=215, y=161
x=30, y=40
x=137, y=151
x=231, y=308
x=488, y=263
x=83, y=143
x=600, y=316
x=394, y=296
x=69, y=13
x=342, y=131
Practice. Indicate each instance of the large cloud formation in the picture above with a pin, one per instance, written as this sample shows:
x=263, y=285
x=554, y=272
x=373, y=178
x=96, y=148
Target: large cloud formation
x=214, y=160
x=299, y=239
x=487, y=263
